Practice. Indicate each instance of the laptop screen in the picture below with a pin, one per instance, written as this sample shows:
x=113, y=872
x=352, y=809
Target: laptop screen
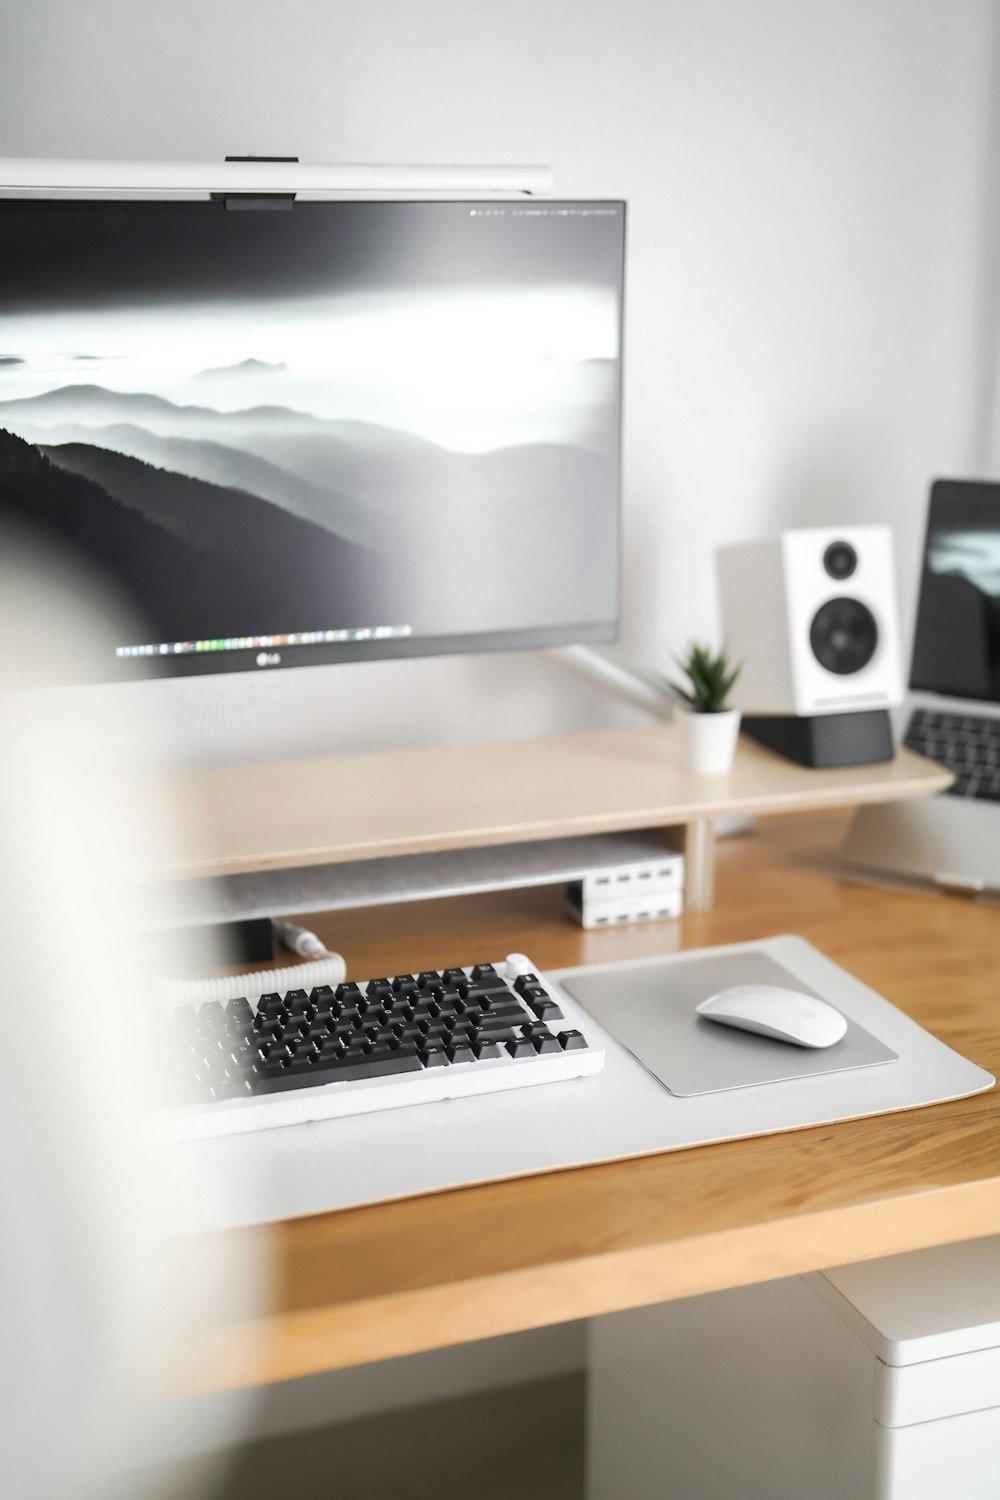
x=956, y=649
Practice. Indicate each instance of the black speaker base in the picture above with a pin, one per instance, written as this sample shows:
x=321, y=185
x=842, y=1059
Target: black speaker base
x=825, y=740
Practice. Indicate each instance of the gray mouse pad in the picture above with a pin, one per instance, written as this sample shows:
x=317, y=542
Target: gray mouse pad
x=653, y=1014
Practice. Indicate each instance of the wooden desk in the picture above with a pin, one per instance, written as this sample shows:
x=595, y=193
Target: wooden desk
x=395, y=1279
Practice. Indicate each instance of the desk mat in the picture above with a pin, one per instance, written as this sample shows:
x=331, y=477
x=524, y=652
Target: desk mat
x=621, y=1112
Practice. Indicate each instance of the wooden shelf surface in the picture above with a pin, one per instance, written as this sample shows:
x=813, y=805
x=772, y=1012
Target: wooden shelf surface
x=399, y=1278
x=288, y=815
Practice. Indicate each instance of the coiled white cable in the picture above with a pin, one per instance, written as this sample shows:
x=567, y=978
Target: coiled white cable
x=325, y=968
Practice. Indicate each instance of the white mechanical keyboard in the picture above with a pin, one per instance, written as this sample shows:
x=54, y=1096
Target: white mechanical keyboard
x=282, y=1059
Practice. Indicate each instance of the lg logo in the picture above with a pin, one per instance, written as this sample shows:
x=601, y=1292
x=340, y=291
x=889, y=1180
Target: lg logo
x=269, y=658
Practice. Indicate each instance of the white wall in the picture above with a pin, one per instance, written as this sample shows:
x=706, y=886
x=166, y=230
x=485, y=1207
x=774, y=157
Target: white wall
x=812, y=296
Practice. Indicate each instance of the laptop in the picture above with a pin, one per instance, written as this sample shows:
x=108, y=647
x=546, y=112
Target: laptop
x=953, y=710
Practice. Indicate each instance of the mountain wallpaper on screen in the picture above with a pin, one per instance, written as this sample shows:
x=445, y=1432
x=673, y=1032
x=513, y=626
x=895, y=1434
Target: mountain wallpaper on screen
x=337, y=420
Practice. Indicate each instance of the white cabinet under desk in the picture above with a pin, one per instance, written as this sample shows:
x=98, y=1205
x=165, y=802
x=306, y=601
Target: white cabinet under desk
x=877, y=1381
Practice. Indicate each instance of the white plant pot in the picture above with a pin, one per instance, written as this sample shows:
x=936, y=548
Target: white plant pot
x=706, y=743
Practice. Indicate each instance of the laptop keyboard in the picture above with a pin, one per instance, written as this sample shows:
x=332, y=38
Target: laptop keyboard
x=967, y=746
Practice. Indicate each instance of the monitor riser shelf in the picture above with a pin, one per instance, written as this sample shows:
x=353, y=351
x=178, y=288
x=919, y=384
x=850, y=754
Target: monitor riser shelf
x=349, y=831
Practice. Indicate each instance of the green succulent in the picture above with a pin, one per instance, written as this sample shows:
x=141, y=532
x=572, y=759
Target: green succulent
x=711, y=676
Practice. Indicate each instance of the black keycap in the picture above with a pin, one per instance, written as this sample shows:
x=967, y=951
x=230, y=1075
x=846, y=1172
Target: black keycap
x=320, y=993
x=339, y=1072
x=299, y=1067
x=270, y=1002
x=503, y=1005
x=546, y=1043
x=266, y=1071
x=295, y=1026
x=498, y=1030
x=427, y=978
x=434, y=1056
x=572, y=1041
x=211, y=1015
x=349, y=993
x=546, y=1010
x=404, y=984
x=486, y=1049
x=453, y=976
x=522, y=982
x=239, y=1009
x=521, y=1047
x=484, y=971
x=529, y=992
x=460, y=1052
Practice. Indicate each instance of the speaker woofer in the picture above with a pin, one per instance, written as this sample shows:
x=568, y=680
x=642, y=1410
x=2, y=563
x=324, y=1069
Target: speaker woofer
x=843, y=636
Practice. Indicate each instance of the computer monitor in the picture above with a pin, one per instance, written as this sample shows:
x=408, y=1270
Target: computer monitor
x=329, y=432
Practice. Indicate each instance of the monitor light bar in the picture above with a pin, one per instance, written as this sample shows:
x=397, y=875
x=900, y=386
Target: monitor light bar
x=20, y=177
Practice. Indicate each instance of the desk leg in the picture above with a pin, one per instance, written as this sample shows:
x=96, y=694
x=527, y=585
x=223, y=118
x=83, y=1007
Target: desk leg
x=699, y=864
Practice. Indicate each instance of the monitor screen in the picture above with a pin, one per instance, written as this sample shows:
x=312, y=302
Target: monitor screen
x=956, y=649
x=330, y=432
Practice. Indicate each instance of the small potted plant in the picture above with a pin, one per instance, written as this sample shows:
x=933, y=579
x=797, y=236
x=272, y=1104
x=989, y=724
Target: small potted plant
x=706, y=728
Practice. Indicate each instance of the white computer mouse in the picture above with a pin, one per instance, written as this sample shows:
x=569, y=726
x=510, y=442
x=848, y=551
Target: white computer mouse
x=771, y=1010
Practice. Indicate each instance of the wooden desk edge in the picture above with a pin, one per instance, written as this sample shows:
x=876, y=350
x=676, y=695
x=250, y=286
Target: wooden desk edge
x=291, y=1345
